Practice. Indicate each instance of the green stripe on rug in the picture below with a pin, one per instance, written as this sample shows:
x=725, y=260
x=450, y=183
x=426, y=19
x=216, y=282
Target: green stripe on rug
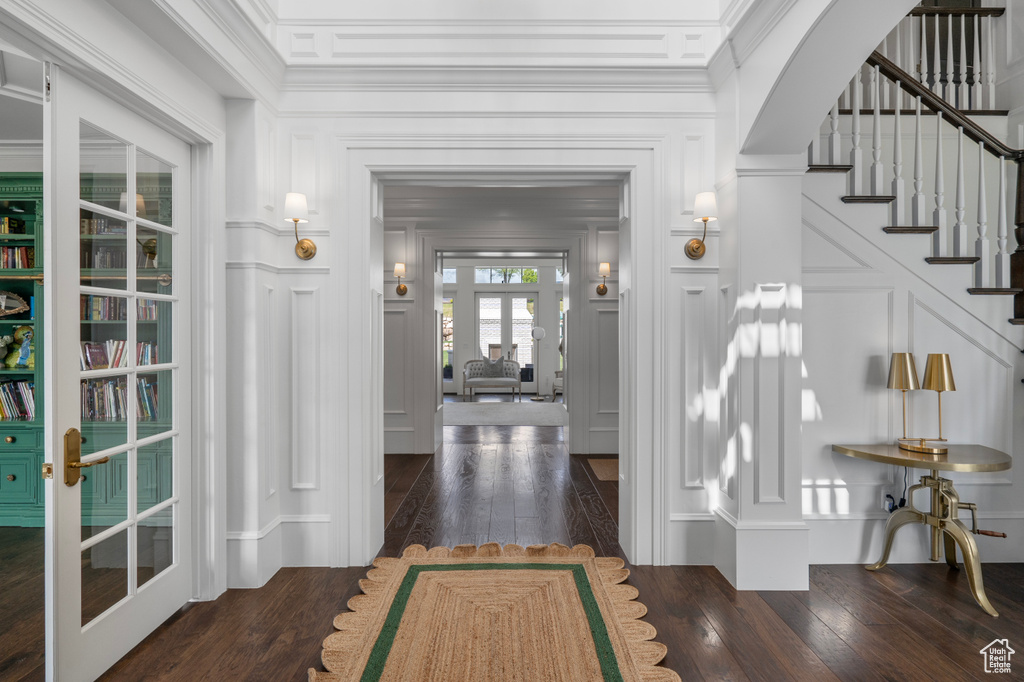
x=382, y=647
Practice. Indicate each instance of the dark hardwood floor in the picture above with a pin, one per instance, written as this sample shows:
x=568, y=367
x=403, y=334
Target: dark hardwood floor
x=518, y=484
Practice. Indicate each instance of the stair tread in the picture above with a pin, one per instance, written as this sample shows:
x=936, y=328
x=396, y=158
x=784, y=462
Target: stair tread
x=910, y=229
x=868, y=199
x=952, y=260
x=994, y=291
x=1017, y=320
x=829, y=168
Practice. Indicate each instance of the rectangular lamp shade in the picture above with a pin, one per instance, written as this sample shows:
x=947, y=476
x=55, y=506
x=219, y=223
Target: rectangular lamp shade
x=605, y=270
x=399, y=269
x=295, y=207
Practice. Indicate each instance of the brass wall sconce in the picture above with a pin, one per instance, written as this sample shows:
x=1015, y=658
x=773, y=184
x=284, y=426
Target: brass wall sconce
x=296, y=211
x=604, y=270
x=401, y=289
x=903, y=377
x=705, y=209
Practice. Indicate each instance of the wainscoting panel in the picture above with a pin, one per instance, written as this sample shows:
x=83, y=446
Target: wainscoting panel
x=307, y=401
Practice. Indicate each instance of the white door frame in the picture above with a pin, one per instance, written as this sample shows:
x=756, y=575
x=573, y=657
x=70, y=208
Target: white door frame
x=363, y=164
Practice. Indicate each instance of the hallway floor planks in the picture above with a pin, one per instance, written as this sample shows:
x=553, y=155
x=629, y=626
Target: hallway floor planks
x=519, y=484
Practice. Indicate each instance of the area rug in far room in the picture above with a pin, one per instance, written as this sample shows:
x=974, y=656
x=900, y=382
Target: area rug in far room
x=544, y=612
x=505, y=414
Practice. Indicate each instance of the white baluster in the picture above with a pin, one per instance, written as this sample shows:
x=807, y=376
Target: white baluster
x=1002, y=256
x=898, y=212
x=990, y=65
x=960, y=227
x=950, y=63
x=856, y=155
x=877, y=169
x=884, y=87
x=923, y=50
x=873, y=87
x=963, y=89
x=834, y=140
x=981, y=244
x=939, y=214
x=976, y=67
x=937, y=61
x=912, y=67
x=918, y=203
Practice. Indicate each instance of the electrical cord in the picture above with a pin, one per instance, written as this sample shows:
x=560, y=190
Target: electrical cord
x=903, y=499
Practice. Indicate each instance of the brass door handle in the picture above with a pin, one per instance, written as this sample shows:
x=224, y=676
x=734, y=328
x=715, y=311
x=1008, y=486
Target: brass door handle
x=86, y=465
x=73, y=463
x=11, y=477
x=10, y=439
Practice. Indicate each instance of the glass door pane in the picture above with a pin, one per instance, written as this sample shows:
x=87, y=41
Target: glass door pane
x=489, y=323
x=447, y=338
x=522, y=323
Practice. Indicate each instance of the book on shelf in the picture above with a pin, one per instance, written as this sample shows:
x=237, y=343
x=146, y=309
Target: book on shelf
x=103, y=257
x=12, y=226
x=17, y=401
x=146, y=405
x=102, y=308
x=17, y=257
x=104, y=400
x=146, y=353
x=145, y=309
x=102, y=225
x=103, y=354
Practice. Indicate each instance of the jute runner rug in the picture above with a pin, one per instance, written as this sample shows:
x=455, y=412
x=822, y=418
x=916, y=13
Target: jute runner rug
x=488, y=613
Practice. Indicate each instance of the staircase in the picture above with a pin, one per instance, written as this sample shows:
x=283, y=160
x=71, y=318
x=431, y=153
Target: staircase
x=931, y=98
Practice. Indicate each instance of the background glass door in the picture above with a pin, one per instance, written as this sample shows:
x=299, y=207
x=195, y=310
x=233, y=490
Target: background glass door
x=505, y=323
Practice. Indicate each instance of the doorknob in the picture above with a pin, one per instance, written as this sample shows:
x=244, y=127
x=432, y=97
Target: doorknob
x=73, y=457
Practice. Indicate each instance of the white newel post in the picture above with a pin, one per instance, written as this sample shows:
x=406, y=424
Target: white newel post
x=761, y=538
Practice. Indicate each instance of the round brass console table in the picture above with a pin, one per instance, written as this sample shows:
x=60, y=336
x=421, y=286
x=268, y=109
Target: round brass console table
x=942, y=516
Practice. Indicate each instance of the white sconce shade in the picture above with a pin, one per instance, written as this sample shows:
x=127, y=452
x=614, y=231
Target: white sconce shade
x=140, y=204
x=399, y=270
x=295, y=209
x=705, y=207
x=605, y=270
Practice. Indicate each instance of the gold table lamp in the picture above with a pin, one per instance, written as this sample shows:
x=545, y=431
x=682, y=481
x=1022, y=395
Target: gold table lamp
x=903, y=376
x=938, y=377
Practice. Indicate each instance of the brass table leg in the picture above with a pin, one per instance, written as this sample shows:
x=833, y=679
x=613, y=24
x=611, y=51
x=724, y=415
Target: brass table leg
x=972, y=563
x=897, y=520
x=945, y=524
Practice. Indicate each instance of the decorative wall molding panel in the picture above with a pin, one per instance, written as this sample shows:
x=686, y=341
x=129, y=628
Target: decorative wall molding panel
x=497, y=42
x=307, y=400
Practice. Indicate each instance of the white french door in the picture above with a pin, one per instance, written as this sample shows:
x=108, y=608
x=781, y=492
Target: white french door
x=118, y=554
x=505, y=323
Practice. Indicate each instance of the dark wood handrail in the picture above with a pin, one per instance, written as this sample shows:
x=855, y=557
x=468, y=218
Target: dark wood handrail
x=950, y=11
x=929, y=99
